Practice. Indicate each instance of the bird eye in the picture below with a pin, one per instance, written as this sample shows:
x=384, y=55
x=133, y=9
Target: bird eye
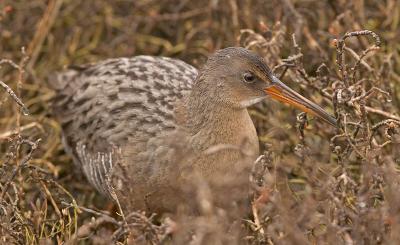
x=249, y=77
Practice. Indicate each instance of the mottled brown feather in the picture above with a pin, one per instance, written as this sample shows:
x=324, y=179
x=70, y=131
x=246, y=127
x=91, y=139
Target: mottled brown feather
x=104, y=106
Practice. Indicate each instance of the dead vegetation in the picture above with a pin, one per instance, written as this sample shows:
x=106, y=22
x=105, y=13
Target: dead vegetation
x=313, y=183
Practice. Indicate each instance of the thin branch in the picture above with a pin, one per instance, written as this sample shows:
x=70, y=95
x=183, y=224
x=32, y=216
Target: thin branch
x=25, y=110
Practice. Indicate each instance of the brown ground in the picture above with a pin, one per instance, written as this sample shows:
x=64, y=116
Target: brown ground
x=315, y=185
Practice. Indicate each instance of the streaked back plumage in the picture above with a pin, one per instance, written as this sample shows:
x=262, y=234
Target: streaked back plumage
x=103, y=106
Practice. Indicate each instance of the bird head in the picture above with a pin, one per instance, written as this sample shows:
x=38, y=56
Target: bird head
x=241, y=78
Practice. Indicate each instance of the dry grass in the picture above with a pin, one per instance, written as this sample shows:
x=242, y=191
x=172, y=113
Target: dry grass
x=313, y=184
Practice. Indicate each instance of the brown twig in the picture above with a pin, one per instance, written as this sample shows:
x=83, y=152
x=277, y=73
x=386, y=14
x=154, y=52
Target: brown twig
x=340, y=44
x=15, y=97
x=23, y=164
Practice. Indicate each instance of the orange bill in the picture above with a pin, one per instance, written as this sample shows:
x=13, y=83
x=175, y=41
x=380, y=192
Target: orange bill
x=281, y=92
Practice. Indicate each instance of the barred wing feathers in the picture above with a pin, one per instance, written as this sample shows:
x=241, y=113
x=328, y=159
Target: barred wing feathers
x=106, y=105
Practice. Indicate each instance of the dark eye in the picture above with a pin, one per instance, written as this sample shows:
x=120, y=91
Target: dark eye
x=249, y=77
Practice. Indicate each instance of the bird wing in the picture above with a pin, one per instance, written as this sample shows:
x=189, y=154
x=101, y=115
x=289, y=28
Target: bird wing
x=104, y=106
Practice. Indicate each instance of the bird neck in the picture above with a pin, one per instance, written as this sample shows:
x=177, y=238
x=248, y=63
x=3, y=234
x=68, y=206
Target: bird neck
x=211, y=121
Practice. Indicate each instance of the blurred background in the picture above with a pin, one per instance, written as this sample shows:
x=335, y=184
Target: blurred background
x=326, y=190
